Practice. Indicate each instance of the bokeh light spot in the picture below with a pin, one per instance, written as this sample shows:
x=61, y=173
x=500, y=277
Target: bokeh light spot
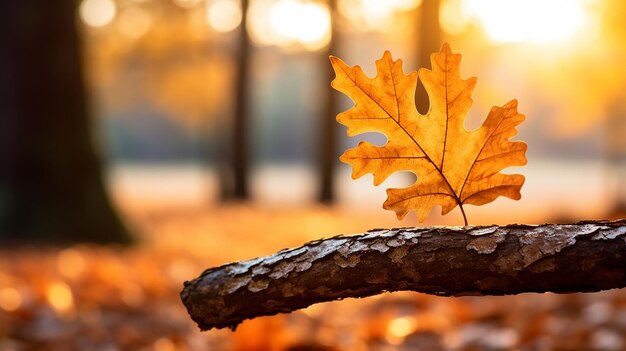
x=399, y=328
x=164, y=344
x=60, y=297
x=223, y=15
x=290, y=24
x=10, y=299
x=97, y=13
x=70, y=263
x=452, y=17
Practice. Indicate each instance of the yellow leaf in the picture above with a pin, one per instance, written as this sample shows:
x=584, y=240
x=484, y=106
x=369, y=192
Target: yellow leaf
x=453, y=166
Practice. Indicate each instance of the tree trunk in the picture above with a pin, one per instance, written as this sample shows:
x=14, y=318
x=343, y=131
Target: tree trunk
x=51, y=188
x=445, y=261
x=328, y=137
x=237, y=189
x=429, y=36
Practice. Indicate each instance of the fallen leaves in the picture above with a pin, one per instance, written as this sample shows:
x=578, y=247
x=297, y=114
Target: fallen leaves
x=453, y=166
x=142, y=309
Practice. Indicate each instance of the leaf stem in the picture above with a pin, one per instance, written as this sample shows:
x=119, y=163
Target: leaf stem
x=463, y=212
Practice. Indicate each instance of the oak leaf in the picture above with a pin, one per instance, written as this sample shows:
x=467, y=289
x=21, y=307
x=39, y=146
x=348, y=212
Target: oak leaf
x=453, y=166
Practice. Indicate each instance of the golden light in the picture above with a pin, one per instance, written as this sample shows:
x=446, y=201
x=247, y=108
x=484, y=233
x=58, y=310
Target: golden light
x=60, y=298
x=258, y=23
x=97, y=13
x=290, y=24
x=179, y=270
x=283, y=17
x=132, y=295
x=539, y=21
x=223, y=15
x=399, y=328
x=375, y=14
x=134, y=22
x=70, y=263
x=452, y=17
x=10, y=299
x=187, y=4
x=164, y=344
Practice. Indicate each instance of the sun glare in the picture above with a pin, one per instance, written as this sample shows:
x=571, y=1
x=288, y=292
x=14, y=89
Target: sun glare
x=539, y=21
x=452, y=17
x=97, y=13
x=290, y=24
x=375, y=15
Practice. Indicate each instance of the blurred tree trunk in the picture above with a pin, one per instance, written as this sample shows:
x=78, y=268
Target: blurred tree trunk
x=237, y=188
x=328, y=140
x=429, y=35
x=51, y=187
x=615, y=153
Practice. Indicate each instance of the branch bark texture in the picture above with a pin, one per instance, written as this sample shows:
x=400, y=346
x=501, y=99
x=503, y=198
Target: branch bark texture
x=446, y=261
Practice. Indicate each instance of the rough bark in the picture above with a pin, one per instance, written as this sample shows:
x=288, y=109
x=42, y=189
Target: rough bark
x=446, y=261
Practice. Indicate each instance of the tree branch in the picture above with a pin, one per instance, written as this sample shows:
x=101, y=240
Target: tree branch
x=446, y=261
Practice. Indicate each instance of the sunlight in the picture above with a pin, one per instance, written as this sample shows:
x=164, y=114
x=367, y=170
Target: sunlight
x=290, y=24
x=223, y=15
x=186, y=4
x=97, y=13
x=405, y=5
x=258, y=24
x=134, y=22
x=452, y=17
x=375, y=14
x=536, y=21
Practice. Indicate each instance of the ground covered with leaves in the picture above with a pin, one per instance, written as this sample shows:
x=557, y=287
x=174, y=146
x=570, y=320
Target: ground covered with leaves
x=115, y=298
